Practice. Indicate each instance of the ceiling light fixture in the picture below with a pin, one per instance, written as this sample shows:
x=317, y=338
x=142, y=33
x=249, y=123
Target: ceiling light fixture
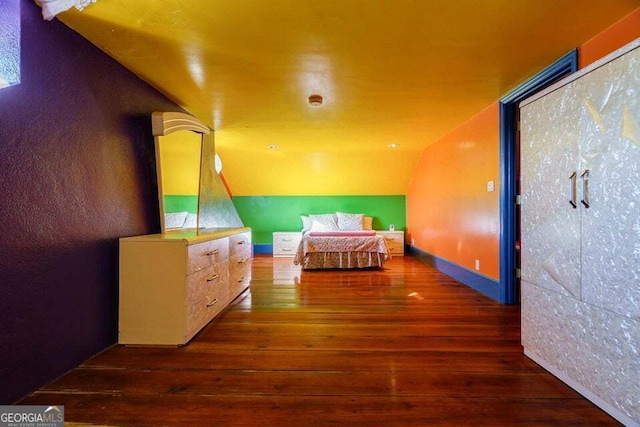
x=272, y=147
x=393, y=145
x=315, y=100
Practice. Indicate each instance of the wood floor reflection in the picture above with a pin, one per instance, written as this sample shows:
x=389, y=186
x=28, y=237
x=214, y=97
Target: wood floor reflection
x=403, y=346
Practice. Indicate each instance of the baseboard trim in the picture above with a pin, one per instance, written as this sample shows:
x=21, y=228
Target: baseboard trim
x=262, y=248
x=480, y=283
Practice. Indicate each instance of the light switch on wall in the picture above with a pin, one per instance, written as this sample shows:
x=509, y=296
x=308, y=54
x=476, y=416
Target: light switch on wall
x=491, y=186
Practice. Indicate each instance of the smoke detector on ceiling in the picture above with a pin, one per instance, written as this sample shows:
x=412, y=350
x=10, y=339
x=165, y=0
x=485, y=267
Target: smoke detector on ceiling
x=315, y=100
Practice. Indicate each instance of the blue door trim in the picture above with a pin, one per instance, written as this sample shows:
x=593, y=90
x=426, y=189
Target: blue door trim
x=509, y=292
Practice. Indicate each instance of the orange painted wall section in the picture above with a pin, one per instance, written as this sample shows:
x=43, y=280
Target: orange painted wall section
x=450, y=213
x=624, y=31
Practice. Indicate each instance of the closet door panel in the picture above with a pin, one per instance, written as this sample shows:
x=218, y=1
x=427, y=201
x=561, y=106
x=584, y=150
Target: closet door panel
x=550, y=225
x=610, y=147
x=594, y=348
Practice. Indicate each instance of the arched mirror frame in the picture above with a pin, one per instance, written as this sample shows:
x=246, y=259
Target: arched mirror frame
x=164, y=123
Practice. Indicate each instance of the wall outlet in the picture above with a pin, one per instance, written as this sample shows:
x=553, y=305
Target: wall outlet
x=478, y=264
x=491, y=186
x=413, y=242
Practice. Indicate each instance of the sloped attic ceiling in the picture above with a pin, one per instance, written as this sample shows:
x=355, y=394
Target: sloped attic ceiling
x=390, y=71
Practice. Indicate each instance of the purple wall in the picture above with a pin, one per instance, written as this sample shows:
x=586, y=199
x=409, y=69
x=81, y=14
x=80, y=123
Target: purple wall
x=77, y=171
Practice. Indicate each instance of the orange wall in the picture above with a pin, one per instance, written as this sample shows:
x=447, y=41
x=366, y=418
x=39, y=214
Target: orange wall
x=614, y=37
x=450, y=214
x=449, y=211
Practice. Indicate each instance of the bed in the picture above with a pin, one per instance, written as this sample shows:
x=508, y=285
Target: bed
x=345, y=244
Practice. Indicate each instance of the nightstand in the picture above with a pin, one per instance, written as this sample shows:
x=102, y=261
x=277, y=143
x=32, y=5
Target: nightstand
x=285, y=243
x=395, y=241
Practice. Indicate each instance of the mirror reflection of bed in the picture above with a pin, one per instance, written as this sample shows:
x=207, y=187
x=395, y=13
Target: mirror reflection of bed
x=179, y=155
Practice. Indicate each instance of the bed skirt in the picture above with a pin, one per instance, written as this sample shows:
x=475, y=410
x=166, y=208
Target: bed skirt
x=318, y=260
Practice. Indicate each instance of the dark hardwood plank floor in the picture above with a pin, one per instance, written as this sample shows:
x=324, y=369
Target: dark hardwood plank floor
x=403, y=346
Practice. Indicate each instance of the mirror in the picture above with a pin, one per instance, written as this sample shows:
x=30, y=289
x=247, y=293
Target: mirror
x=178, y=144
x=191, y=194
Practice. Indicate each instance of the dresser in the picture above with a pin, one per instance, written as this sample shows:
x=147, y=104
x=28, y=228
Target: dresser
x=173, y=284
x=285, y=243
x=395, y=241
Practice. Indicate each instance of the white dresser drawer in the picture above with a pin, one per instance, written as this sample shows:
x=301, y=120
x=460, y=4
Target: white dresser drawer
x=285, y=243
x=240, y=244
x=205, y=254
x=206, y=296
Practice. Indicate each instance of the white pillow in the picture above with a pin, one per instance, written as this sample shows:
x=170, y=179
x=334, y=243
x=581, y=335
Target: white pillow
x=317, y=226
x=175, y=219
x=367, y=223
x=350, y=222
x=191, y=221
x=306, y=223
x=329, y=221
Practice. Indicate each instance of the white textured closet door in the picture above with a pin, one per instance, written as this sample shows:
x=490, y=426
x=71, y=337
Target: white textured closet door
x=610, y=147
x=550, y=225
x=581, y=267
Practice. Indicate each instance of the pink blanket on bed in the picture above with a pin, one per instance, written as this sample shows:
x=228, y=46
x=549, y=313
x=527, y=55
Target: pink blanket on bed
x=363, y=233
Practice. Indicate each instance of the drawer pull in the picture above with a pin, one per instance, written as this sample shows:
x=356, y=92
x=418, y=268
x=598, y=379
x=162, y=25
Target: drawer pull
x=213, y=252
x=286, y=240
x=240, y=280
x=209, y=304
x=286, y=250
x=241, y=242
x=212, y=278
x=242, y=261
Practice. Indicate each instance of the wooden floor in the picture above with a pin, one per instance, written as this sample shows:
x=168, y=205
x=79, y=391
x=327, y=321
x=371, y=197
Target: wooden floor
x=403, y=346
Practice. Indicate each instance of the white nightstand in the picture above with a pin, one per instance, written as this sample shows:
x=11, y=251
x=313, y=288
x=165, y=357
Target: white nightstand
x=285, y=243
x=395, y=241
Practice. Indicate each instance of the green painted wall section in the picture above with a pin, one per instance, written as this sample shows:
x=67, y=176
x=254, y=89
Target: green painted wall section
x=178, y=203
x=266, y=214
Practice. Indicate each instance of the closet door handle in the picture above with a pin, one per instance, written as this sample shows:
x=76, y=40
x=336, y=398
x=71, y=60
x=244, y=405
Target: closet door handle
x=585, y=188
x=572, y=189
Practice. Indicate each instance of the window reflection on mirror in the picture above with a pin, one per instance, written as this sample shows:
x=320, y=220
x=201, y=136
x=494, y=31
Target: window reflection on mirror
x=179, y=154
x=9, y=43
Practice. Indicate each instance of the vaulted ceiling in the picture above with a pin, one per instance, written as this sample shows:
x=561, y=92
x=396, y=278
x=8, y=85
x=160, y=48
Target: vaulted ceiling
x=400, y=72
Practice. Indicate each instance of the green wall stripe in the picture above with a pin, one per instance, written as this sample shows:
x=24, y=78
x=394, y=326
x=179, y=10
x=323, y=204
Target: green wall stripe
x=266, y=214
x=180, y=203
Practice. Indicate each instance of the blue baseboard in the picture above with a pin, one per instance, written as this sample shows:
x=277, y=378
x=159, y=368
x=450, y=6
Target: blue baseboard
x=482, y=284
x=262, y=248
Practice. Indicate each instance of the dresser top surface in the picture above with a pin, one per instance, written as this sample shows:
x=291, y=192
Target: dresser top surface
x=189, y=236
